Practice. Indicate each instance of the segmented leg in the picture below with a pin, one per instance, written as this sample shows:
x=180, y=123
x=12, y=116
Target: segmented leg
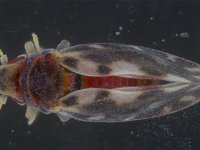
x=29, y=47
x=36, y=42
x=3, y=58
x=31, y=114
x=3, y=100
x=32, y=47
x=63, y=44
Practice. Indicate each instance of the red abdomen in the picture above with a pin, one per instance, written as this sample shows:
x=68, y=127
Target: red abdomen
x=74, y=82
x=112, y=82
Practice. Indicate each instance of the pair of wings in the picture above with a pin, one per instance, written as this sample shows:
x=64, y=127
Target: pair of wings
x=129, y=103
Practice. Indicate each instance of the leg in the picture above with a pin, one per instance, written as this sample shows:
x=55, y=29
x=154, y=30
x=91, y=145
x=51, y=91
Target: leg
x=63, y=44
x=32, y=47
x=29, y=47
x=36, y=42
x=3, y=58
x=31, y=114
x=3, y=100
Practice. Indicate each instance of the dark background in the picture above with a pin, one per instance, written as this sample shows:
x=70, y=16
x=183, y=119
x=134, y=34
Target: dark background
x=154, y=24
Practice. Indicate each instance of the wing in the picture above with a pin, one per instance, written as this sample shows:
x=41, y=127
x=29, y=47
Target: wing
x=129, y=61
x=128, y=103
x=116, y=105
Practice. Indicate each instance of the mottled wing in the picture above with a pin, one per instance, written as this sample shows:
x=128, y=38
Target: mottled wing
x=129, y=103
x=129, y=61
x=103, y=105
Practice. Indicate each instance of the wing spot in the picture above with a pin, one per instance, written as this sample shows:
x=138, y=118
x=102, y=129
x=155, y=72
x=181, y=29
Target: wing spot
x=71, y=101
x=102, y=95
x=101, y=105
x=71, y=62
x=103, y=69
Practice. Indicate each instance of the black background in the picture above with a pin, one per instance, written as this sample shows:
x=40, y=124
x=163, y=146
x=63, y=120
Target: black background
x=152, y=24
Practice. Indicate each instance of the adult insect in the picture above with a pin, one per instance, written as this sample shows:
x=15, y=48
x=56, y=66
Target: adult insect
x=100, y=82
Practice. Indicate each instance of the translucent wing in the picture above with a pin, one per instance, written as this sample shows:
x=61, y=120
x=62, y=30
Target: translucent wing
x=129, y=61
x=128, y=103
x=103, y=105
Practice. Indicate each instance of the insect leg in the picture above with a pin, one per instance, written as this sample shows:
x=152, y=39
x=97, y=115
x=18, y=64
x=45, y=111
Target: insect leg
x=3, y=58
x=31, y=114
x=29, y=47
x=36, y=42
x=32, y=47
x=3, y=100
x=63, y=44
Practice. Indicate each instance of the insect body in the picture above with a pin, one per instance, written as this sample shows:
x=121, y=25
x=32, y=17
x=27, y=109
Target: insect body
x=99, y=82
